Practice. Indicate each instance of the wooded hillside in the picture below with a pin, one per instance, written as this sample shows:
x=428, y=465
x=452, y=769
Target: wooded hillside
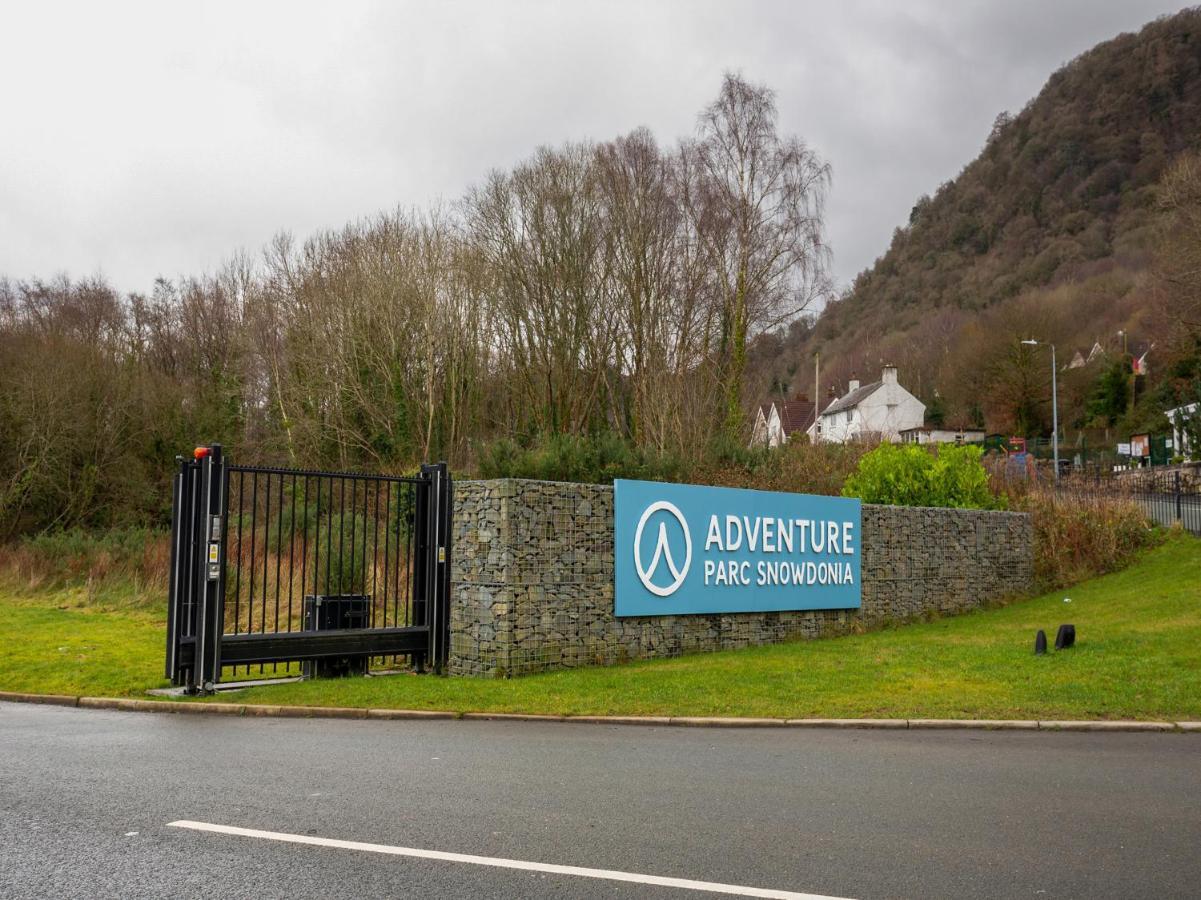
x=1050, y=233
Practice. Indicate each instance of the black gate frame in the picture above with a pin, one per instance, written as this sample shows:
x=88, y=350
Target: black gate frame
x=197, y=649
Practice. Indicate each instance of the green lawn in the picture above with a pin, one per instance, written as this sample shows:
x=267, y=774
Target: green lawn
x=1137, y=656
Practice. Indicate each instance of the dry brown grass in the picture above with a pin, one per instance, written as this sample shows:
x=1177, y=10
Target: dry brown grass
x=1077, y=537
x=127, y=567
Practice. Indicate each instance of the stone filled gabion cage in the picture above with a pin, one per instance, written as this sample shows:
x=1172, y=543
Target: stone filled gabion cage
x=532, y=580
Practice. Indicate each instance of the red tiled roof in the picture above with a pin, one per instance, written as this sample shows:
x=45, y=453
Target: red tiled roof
x=795, y=415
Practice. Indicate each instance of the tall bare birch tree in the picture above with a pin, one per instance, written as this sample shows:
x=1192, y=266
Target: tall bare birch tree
x=759, y=212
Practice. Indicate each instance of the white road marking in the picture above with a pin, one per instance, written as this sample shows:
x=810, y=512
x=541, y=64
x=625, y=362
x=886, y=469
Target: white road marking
x=501, y=863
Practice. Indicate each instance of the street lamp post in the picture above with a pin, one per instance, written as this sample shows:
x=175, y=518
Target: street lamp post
x=1054, y=406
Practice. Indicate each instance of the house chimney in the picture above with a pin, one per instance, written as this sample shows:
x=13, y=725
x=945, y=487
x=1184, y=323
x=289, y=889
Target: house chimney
x=854, y=384
x=889, y=375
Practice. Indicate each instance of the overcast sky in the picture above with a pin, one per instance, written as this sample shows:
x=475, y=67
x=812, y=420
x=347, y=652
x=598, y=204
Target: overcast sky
x=139, y=140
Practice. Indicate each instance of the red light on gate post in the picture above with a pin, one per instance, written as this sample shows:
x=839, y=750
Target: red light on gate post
x=200, y=452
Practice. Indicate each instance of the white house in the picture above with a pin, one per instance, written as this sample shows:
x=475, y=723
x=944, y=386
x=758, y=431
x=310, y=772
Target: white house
x=779, y=420
x=880, y=410
x=1180, y=440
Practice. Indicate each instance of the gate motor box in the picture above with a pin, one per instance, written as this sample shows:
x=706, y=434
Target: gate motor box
x=336, y=612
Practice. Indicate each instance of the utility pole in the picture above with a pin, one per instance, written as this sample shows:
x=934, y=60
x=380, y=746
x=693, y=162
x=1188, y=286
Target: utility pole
x=817, y=397
x=1130, y=377
x=1054, y=406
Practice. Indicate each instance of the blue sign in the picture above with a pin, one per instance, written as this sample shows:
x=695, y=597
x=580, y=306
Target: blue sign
x=683, y=548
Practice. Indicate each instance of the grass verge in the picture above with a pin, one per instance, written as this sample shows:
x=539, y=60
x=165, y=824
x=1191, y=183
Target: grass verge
x=1136, y=658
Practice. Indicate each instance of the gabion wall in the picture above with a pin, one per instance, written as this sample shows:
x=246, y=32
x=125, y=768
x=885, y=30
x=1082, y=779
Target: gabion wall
x=532, y=580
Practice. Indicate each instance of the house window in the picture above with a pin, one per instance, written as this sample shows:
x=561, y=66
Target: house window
x=850, y=415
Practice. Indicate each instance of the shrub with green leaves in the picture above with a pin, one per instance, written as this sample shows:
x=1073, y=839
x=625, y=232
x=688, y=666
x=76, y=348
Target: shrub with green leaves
x=911, y=475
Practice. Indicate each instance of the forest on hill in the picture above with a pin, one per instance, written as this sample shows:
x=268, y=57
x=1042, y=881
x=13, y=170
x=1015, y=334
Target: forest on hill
x=1056, y=231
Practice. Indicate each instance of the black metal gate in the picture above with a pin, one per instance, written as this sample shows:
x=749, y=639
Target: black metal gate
x=328, y=569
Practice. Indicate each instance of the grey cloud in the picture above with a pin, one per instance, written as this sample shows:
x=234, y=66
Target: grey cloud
x=160, y=138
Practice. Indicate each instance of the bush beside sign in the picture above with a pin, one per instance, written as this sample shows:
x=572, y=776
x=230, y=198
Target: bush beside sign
x=682, y=548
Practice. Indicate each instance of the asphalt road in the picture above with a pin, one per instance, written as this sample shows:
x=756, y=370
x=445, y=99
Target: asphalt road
x=86, y=798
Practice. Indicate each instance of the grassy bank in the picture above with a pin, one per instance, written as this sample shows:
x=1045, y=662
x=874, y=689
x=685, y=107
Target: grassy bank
x=1136, y=658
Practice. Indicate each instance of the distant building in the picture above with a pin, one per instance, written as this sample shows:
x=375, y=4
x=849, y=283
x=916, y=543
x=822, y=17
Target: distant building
x=931, y=435
x=1079, y=360
x=1181, y=446
x=881, y=410
x=776, y=422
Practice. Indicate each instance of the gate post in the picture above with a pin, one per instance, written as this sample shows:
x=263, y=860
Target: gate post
x=179, y=622
x=210, y=570
x=431, y=566
x=440, y=509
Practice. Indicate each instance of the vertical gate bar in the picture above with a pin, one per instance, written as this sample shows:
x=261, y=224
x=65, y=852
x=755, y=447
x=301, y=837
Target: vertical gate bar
x=291, y=553
x=387, y=543
x=238, y=571
x=194, y=492
x=375, y=556
x=191, y=493
x=279, y=549
x=266, y=551
x=304, y=548
x=254, y=515
x=329, y=538
x=407, y=489
x=292, y=547
x=419, y=564
x=224, y=513
x=341, y=533
x=316, y=542
x=363, y=557
x=279, y=556
x=410, y=552
x=354, y=502
x=266, y=560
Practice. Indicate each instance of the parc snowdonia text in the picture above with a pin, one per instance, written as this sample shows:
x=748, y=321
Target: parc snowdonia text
x=768, y=534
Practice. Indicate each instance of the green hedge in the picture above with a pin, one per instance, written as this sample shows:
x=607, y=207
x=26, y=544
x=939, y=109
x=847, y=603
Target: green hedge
x=911, y=475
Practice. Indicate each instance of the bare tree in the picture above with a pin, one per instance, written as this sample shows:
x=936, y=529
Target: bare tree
x=759, y=212
x=539, y=231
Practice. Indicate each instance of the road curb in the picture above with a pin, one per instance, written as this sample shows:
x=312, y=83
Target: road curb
x=1106, y=725
x=47, y=699
x=410, y=714
x=847, y=723
x=978, y=724
x=133, y=704
x=725, y=722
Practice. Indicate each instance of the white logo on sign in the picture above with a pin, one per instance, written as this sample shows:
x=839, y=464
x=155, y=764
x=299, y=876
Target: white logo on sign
x=662, y=551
